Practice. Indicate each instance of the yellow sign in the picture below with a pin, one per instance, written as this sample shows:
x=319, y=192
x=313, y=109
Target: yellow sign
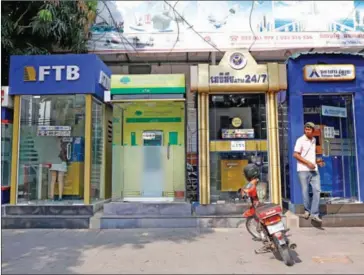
x=236, y=122
x=237, y=72
x=316, y=73
x=148, y=84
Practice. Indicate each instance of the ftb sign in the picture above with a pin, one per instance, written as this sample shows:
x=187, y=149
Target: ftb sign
x=59, y=73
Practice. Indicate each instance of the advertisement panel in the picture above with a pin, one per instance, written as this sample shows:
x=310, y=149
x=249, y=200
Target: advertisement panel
x=162, y=26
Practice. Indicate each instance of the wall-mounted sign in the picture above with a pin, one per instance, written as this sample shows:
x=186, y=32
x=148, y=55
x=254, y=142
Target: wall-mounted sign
x=329, y=132
x=148, y=135
x=104, y=80
x=148, y=84
x=54, y=131
x=58, y=72
x=311, y=110
x=312, y=73
x=237, y=145
x=333, y=111
x=237, y=133
x=225, y=78
x=6, y=100
x=237, y=72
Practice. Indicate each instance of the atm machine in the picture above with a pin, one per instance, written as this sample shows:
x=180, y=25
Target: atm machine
x=74, y=178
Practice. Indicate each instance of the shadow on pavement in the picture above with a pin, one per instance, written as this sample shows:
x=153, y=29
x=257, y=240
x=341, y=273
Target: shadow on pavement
x=41, y=251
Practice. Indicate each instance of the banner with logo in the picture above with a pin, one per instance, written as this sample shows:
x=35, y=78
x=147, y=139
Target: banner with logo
x=152, y=26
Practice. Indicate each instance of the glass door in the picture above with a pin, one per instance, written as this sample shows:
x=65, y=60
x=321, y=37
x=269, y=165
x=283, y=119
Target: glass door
x=335, y=135
x=153, y=172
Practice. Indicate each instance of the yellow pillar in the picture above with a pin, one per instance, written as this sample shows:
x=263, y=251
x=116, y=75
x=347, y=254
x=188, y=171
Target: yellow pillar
x=273, y=151
x=15, y=151
x=88, y=140
x=204, y=150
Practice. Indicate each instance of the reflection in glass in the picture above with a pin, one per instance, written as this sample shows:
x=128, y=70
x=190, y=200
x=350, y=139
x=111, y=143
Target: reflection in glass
x=238, y=136
x=51, y=149
x=97, y=192
x=6, y=139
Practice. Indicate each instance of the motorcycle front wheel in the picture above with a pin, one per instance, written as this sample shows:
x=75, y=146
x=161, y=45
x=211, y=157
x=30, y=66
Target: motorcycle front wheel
x=251, y=225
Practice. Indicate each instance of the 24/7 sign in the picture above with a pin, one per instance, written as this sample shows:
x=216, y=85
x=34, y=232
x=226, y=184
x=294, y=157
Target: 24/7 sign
x=225, y=78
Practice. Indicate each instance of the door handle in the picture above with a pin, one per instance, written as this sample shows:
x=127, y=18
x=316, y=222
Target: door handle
x=69, y=151
x=168, y=150
x=326, y=151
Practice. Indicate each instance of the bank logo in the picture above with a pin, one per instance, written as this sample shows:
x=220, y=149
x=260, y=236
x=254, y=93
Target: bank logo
x=314, y=73
x=237, y=61
x=125, y=80
x=30, y=74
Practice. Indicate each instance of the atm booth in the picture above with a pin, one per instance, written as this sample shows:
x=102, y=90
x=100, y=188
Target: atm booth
x=60, y=133
x=327, y=89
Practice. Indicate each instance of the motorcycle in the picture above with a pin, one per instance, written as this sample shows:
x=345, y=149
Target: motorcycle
x=264, y=223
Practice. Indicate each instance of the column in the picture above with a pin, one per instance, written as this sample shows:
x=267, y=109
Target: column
x=204, y=148
x=273, y=148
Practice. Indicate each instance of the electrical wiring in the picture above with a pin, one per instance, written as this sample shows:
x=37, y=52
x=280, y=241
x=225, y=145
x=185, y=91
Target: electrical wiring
x=250, y=25
x=178, y=30
x=191, y=27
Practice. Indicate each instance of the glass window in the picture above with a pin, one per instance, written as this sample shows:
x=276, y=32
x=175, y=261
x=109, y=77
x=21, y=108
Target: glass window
x=51, y=149
x=6, y=139
x=335, y=144
x=238, y=136
x=149, y=160
x=97, y=144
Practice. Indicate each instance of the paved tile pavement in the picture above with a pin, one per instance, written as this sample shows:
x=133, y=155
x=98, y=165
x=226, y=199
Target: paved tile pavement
x=152, y=251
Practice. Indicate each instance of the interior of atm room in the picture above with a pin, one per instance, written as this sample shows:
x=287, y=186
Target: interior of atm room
x=149, y=154
x=335, y=141
x=238, y=136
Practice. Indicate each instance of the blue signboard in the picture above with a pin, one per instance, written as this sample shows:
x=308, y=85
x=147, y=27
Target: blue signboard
x=58, y=74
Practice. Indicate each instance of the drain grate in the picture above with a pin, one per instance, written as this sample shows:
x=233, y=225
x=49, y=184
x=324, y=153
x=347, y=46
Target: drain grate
x=332, y=259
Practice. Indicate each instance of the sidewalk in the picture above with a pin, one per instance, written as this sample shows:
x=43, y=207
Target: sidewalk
x=229, y=251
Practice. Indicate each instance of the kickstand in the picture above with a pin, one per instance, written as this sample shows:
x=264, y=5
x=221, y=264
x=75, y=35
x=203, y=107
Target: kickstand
x=262, y=250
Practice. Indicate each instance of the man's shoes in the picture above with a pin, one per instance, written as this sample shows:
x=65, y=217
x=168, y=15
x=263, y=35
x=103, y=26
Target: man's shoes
x=316, y=218
x=306, y=215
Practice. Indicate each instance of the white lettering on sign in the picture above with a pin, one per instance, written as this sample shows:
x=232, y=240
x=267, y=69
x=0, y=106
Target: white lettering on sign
x=329, y=72
x=333, y=111
x=72, y=72
x=104, y=80
x=237, y=145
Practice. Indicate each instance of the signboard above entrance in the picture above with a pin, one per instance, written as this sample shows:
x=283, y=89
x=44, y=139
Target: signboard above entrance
x=148, y=84
x=238, y=71
x=315, y=73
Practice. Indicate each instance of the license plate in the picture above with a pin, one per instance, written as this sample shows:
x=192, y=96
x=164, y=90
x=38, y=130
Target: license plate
x=275, y=228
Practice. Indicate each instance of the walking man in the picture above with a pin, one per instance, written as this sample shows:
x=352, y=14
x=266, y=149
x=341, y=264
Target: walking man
x=307, y=168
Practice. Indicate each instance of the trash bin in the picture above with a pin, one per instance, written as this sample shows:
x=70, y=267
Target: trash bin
x=5, y=194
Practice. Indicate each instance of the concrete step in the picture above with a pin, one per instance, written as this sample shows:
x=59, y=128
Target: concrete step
x=335, y=220
x=45, y=210
x=221, y=209
x=45, y=222
x=329, y=209
x=215, y=221
x=148, y=209
x=124, y=222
